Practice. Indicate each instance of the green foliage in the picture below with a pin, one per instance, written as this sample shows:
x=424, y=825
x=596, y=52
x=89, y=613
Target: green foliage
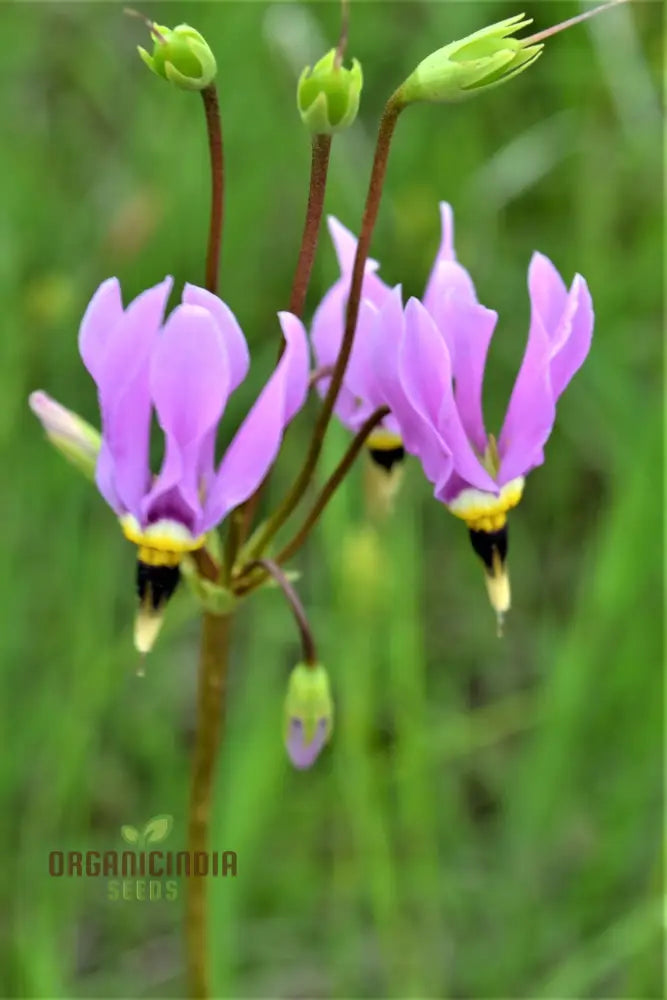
x=486, y=819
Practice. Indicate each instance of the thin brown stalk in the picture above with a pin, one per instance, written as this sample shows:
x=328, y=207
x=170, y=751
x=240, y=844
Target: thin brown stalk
x=385, y=134
x=308, y=650
x=319, y=168
x=214, y=128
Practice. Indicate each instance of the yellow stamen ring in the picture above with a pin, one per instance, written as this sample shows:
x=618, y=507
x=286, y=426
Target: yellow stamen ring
x=163, y=543
x=382, y=440
x=483, y=511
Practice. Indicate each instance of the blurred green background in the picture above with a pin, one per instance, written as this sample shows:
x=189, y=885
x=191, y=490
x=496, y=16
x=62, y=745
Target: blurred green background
x=487, y=820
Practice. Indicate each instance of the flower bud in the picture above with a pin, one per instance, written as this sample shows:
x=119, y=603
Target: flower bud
x=328, y=95
x=479, y=61
x=71, y=435
x=308, y=713
x=182, y=56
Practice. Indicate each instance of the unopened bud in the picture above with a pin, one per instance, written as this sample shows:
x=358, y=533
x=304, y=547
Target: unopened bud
x=328, y=95
x=462, y=69
x=74, y=438
x=308, y=713
x=182, y=56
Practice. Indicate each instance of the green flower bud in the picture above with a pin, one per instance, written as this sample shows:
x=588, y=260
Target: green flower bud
x=308, y=713
x=182, y=56
x=69, y=433
x=479, y=61
x=328, y=95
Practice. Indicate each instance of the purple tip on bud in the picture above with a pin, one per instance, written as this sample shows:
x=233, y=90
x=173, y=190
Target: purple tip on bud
x=301, y=753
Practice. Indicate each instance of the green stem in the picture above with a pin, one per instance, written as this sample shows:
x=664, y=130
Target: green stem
x=385, y=134
x=213, y=664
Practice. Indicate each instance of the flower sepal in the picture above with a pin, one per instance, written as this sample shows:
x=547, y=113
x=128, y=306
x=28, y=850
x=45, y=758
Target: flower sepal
x=327, y=95
x=477, y=62
x=213, y=597
x=182, y=56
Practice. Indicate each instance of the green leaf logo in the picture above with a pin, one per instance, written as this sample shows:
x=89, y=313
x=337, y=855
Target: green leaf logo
x=130, y=834
x=157, y=829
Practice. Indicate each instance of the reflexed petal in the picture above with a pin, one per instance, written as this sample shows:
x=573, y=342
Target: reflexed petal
x=548, y=294
x=468, y=328
x=419, y=434
x=257, y=442
x=122, y=380
x=427, y=378
x=232, y=335
x=326, y=335
x=345, y=245
x=104, y=310
x=189, y=383
x=304, y=754
x=532, y=409
x=577, y=321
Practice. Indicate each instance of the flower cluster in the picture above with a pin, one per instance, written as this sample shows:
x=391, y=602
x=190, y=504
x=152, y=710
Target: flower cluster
x=426, y=361
x=183, y=370
x=403, y=377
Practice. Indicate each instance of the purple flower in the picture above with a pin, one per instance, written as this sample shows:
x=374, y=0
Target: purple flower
x=183, y=370
x=428, y=364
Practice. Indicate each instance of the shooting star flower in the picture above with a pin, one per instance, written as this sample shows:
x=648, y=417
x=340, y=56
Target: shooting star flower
x=428, y=364
x=183, y=369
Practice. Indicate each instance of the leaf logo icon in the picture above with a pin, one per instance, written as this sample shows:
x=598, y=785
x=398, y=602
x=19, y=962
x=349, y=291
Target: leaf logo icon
x=130, y=834
x=157, y=829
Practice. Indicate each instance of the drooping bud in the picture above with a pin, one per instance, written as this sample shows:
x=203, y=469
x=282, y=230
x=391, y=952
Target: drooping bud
x=74, y=438
x=308, y=713
x=477, y=62
x=328, y=95
x=182, y=56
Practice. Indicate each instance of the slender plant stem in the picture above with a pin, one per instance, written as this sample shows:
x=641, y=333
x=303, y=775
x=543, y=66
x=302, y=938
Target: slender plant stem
x=214, y=128
x=210, y=701
x=309, y=652
x=319, y=168
x=385, y=134
x=216, y=629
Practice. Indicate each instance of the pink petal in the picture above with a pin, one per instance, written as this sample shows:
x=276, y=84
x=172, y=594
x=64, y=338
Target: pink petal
x=426, y=375
x=577, y=321
x=104, y=310
x=257, y=442
x=189, y=383
x=420, y=436
x=467, y=328
x=345, y=245
x=532, y=409
x=121, y=372
x=232, y=334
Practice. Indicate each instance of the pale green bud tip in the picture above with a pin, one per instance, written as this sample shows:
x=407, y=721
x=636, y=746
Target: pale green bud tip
x=308, y=713
x=482, y=60
x=182, y=56
x=328, y=95
x=69, y=433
